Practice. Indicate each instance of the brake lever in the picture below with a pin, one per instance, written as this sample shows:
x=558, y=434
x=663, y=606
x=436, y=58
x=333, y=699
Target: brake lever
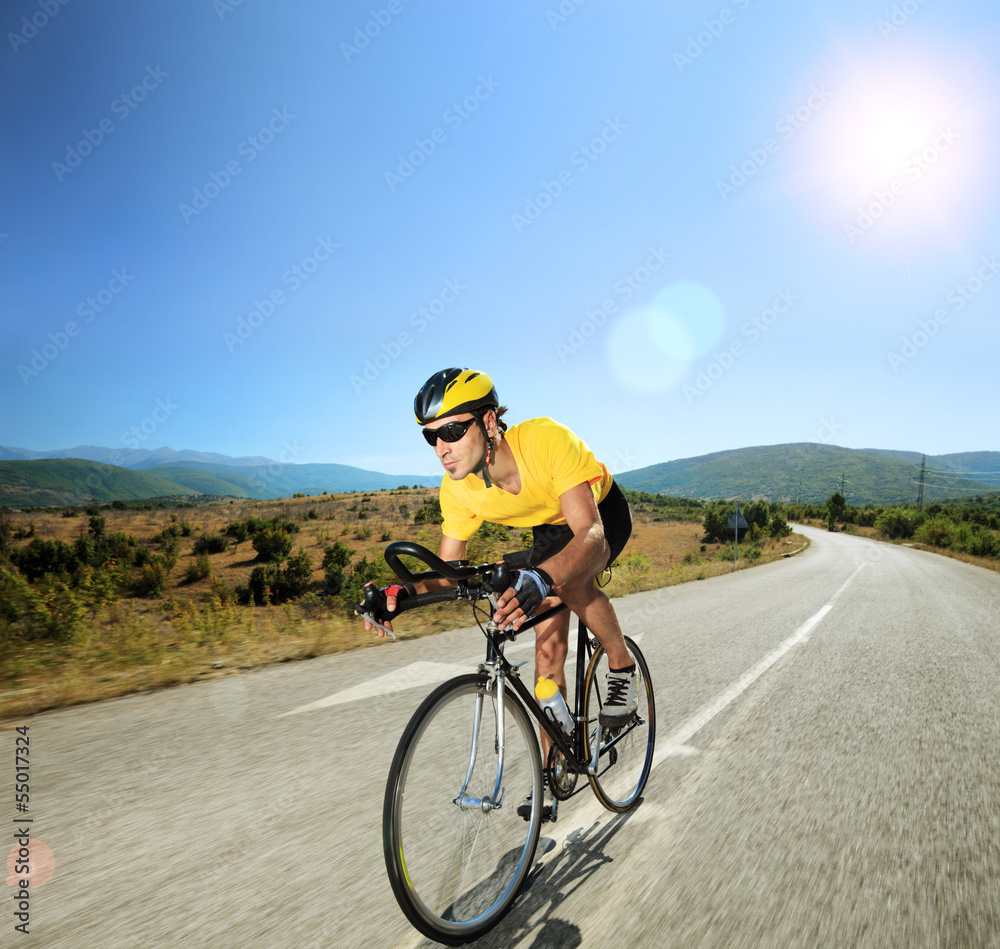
x=370, y=618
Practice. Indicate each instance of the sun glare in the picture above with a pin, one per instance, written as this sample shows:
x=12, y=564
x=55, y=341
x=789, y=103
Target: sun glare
x=902, y=147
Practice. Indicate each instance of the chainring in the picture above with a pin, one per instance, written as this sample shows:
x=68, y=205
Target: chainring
x=561, y=780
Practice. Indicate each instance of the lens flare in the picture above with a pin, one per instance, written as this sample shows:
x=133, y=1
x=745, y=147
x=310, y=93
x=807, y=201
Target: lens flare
x=650, y=349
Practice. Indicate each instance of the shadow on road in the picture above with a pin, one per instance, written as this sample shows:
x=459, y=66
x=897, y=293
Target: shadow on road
x=533, y=922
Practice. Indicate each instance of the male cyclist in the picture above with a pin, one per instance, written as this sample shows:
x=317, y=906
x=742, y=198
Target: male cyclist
x=536, y=474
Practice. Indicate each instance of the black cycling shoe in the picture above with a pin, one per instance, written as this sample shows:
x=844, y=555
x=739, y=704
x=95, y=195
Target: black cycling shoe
x=548, y=810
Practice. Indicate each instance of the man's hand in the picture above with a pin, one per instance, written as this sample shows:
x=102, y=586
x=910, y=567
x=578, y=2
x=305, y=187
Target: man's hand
x=381, y=603
x=521, y=600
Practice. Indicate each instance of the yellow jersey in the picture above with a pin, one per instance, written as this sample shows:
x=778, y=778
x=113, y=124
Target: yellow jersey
x=550, y=458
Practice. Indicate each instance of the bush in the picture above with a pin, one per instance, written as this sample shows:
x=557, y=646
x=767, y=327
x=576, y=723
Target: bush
x=715, y=527
x=937, y=532
x=982, y=544
x=239, y=531
x=151, y=580
x=272, y=545
x=43, y=557
x=198, y=570
x=429, y=513
x=894, y=525
x=778, y=527
x=211, y=544
x=272, y=584
x=46, y=610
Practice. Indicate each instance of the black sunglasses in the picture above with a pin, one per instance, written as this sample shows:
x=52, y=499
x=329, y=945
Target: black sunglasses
x=451, y=432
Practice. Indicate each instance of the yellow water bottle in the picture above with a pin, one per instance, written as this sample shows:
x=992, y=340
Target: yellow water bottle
x=553, y=704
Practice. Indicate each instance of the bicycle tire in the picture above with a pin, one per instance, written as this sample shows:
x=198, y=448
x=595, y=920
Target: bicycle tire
x=455, y=871
x=624, y=768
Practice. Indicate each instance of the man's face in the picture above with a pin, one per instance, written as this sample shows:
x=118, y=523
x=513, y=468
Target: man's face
x=462, y=457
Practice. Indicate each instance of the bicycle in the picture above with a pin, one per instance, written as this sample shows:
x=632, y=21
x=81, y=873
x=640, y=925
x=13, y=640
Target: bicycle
x=457, y=850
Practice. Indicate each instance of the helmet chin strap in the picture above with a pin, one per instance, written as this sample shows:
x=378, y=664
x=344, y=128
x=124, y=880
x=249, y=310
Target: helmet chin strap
x=487, y=457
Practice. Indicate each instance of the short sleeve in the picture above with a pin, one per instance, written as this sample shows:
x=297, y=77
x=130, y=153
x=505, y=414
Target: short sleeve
x=565, y=457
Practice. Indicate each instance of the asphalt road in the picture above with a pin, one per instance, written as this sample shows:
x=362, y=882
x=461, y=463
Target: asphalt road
x=827, y=775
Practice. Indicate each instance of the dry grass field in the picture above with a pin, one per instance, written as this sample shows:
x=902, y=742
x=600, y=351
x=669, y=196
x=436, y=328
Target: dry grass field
x=197, y=629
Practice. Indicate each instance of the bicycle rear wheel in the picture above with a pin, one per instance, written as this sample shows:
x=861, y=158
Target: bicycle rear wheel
x=626, y=753
x=455, y=861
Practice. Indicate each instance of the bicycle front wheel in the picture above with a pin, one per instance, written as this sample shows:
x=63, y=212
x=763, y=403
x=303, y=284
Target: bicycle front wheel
x=456, y=849
x=626, y=756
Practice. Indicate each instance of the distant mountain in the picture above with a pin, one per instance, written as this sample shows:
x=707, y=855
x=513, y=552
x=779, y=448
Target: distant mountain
x=280, y=481
x=137, y=458
x=62, y=482
x=811, y=472
x=51, y=482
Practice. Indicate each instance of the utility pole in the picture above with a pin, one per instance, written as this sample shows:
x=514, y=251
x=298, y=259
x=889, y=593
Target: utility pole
x=920, y=490
x=843, y=475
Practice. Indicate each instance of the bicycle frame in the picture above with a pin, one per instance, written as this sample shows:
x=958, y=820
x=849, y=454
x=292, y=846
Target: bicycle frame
x=574, y=754
x=496, y=665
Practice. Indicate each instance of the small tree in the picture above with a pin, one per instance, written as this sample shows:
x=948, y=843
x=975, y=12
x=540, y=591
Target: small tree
x=836, y=509
x=272, y=546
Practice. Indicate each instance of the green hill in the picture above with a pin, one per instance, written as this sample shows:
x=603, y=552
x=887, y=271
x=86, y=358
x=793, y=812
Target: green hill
x=67, y=481
x=811, y=472
x=281, y=481
x=54, y=482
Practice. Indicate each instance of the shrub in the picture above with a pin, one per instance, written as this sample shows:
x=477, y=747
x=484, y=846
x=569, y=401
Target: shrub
x=272, y=545
x=982, y=544
x=429, y=513
x=937, y=532
x=151, y=580
x=211, y=544
x=42, y=557
x=48, y=609
x=715, y=527
x=336, y=555
x=778, y=527
x=894, y=525
x=272, y=584
x=198, y=570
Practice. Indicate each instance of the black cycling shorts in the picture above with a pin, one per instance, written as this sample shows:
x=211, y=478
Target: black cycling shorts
x=616, y=516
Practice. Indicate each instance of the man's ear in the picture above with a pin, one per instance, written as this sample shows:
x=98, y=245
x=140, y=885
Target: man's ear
x=490, y=423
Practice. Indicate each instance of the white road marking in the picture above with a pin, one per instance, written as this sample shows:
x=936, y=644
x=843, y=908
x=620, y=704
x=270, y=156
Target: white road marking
x=409, y=677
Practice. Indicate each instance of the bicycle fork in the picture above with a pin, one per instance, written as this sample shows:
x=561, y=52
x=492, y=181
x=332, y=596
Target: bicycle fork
x=494, y=801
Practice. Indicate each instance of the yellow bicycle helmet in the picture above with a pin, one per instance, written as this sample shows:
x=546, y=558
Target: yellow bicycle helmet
x=453, y=391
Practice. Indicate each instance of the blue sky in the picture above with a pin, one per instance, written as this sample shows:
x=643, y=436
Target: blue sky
x=256, y=228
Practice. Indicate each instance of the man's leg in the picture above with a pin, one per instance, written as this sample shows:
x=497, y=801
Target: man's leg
x=592, y=605
x=551, y=646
